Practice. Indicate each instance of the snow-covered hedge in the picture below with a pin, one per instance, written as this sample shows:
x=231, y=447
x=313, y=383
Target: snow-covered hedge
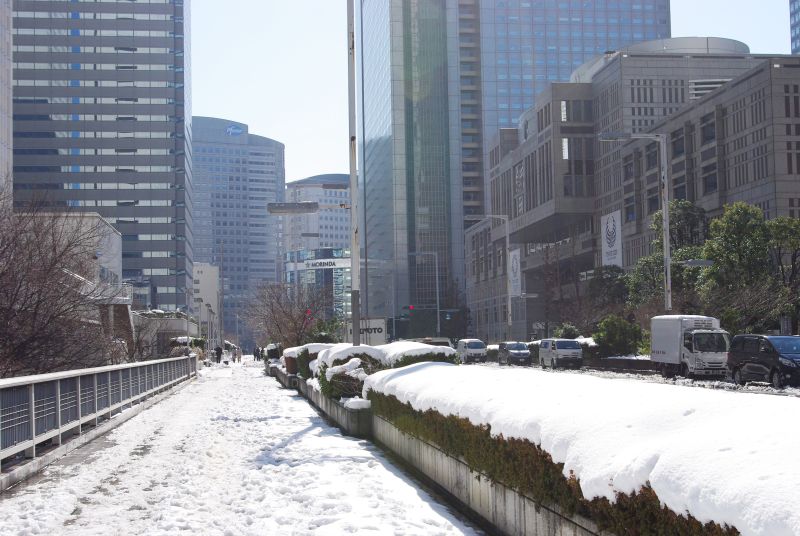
x=340, y=377
x=630, y=455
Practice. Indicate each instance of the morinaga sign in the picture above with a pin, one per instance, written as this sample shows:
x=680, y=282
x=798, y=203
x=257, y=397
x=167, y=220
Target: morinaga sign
x=611, y=237
x=321, y=264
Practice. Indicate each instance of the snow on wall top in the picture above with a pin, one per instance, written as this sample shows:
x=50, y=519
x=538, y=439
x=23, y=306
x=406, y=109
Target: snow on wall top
x=732, y=458
x=394, y=351
x=311, y=347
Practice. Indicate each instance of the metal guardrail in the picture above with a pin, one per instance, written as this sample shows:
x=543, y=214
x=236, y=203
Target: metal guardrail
x=52, y=407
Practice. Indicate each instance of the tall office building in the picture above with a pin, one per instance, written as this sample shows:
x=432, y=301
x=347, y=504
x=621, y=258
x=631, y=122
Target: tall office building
x=101, y=123
x=235, y=175
x=436, y=81
x=794, y=18
x=5, y=95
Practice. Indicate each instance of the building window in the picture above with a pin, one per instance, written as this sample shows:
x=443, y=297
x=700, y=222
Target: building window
x=709, y=179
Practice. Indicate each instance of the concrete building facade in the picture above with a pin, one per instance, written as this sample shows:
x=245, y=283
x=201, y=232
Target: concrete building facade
x=236, y=174
x=207, y=300
x=6, y=128
x=327, y=228
x=102, y=123
x=557, y=181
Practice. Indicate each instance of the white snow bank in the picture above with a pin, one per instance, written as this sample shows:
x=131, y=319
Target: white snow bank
x=344, y=351
x=291, y=352
x=732, y=458
x=356, y=403
x=395, y=351
x=313, y=383
x=313, y=365
x=351, y=368
x=494, y=347
x=589, y=341
x=311, y=347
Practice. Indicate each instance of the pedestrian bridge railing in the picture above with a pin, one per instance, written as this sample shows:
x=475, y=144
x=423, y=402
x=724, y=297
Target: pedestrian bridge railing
x=44, y=410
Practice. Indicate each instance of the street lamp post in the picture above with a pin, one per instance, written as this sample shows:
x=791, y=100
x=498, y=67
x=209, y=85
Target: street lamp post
x=509, y=317
x=661, y=138
x=355, y=253
x=436, y=268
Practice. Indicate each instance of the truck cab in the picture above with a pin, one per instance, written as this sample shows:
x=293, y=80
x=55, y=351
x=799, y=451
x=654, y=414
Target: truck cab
x=689, y=345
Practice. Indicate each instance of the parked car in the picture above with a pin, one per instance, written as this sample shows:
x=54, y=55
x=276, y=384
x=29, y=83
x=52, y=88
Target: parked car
x=771, y=358
x=557, y=353
x=471, y=350
x=510, y=352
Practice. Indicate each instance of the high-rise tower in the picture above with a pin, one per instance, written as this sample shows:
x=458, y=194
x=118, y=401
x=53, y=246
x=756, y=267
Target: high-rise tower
x=101, y=123
x=5, y=95
x=236, y=174
x=436, y=81
x=794, y=18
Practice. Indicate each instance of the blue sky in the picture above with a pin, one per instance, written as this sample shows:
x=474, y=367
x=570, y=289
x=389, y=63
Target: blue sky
x=281, y=65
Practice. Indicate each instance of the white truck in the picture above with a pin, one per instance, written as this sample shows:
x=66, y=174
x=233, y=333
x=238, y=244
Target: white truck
x=689, y=345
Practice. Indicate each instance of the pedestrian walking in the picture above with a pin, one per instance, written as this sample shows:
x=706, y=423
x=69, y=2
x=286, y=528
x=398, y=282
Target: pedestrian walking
x=218, y=352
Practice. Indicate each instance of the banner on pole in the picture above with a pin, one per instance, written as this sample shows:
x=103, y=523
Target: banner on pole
x=514, y=273
x=611, y=237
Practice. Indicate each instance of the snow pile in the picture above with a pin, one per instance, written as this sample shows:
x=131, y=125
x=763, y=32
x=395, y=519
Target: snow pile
x=356, y=403
x=588, y=341
x=695, y=447
x=291, y=352
x=352, y=368
x=313, y=383
x=313, y=365
x=490, y=347
x=312, y=348
x=344, y=351
x=395, y=351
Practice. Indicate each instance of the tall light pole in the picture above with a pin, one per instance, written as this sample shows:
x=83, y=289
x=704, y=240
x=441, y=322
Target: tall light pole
x=436, y=268
x=355, y=256
x=661, y=138
x=509, y=318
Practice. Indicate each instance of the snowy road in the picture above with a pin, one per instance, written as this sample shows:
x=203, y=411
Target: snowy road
x=230, y=454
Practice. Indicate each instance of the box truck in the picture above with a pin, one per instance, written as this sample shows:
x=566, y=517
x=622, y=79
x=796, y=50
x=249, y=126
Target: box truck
x=689, y=345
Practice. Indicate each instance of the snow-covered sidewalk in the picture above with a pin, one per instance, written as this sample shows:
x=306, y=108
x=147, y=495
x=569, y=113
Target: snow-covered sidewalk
x=230, y=454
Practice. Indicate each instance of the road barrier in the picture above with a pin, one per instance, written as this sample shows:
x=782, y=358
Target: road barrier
x=42, y=411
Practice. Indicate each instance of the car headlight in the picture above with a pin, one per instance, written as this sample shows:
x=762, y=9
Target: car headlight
x=787, y=362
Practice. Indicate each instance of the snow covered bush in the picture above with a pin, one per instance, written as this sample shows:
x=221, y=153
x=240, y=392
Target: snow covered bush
x=344, y=377
x=525, y=467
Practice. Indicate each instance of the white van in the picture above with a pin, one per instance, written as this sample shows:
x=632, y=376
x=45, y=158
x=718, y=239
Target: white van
x=471, y=350
x=557, y=353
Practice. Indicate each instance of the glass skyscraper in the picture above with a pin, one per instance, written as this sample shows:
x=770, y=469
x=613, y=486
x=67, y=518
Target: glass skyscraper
x=101, y=123
x=794, y=18
x=236, y=174
x=437, y=80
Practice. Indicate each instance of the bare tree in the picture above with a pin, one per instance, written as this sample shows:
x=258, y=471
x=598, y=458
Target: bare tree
x=287, y=314
x=49, y=310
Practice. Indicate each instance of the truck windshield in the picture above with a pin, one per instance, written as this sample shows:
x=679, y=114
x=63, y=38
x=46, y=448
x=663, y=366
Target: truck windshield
x=476, y=345
x=516, y=346
x=568, y=345
x=711, y=342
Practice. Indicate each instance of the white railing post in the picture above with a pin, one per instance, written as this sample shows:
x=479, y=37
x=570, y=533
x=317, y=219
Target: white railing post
x=58, y=412
x=94, y=382
x=31, y=452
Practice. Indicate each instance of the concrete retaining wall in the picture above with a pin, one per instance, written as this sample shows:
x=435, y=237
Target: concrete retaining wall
x=507, y=511
x=501, y=508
